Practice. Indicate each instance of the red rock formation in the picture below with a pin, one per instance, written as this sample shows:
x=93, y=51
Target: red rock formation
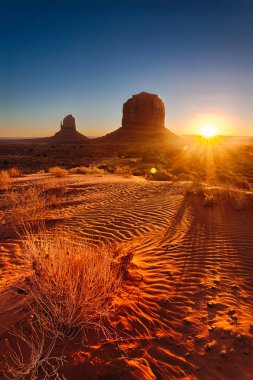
x=68, y=123
x=68, y=132
x=143, y=121
x=144, y=110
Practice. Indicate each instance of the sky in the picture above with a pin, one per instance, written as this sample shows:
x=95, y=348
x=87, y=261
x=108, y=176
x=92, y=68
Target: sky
x=87, y=58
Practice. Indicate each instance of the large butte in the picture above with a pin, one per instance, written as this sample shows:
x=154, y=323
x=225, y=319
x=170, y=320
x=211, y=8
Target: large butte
x=143, y=120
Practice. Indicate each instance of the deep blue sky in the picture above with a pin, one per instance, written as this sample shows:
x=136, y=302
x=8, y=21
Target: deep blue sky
x=88, y=57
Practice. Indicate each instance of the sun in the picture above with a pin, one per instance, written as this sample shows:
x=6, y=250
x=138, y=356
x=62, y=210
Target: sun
x=208, y=131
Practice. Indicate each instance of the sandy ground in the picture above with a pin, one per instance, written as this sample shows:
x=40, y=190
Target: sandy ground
x=186, y=308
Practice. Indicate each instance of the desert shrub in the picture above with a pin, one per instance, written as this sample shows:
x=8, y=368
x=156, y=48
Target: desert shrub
x=195, y=187
x=72, y=282
x=107, y=168
x=139, y=172
x=87, y=170
x=58, y=172
x=237, y=197
x=124, y=170
x=53, y=186
x=51, y=183
x=159, y=175
x=198, y=187
x=40, y=171
x=30, y=355
x=14, y=172
x=53, y=199
x=26, y=205
x=71, y=287
x=29, y=205
x=5, y=180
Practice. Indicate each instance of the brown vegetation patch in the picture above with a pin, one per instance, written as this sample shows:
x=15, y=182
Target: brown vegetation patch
x=5, y=180
x=58, y=172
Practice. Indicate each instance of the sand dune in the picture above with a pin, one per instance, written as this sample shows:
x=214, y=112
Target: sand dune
x=185, y=311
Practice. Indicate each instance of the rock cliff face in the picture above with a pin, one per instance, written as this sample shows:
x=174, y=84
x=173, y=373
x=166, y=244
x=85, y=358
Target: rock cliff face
x=68, y=132
x=143, y=121
x=68, y=123
x=143, y=111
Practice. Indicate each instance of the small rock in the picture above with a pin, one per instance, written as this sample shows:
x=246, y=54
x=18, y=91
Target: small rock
x=223, y=353
x=208, y=347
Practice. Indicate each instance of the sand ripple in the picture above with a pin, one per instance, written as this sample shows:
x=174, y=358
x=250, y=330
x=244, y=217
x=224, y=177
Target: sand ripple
x=188, y=297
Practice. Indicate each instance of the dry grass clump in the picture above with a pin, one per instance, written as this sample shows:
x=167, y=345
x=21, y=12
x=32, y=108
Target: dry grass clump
x=5, y=180
x=195, y=187
x=40, y=171
x=14, y=172
x=58, y=172
x=72, y=283
x=237, y=197
x=31, y=355
x=87, y=170
x=70, y=287
x=29, y=205
x=198, y=187
x=26, y=205
x=139, y=171
x=122, y=170
x=53, y=187
x=160, y=175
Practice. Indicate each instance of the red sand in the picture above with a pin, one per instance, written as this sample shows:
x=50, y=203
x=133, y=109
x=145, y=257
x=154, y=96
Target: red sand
x=185, y=311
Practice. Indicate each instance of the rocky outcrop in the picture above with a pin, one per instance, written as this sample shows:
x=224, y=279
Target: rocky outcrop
x=143, y=121
x=68, y=132
x=68, y=123
x=144, y=111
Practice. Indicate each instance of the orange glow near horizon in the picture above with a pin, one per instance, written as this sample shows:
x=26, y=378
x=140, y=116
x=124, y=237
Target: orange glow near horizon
x=223, y=124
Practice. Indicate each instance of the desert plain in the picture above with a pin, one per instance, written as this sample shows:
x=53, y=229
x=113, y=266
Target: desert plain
x=183, y=306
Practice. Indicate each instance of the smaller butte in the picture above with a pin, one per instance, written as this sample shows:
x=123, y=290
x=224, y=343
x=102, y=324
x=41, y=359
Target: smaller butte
x=68, y=132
